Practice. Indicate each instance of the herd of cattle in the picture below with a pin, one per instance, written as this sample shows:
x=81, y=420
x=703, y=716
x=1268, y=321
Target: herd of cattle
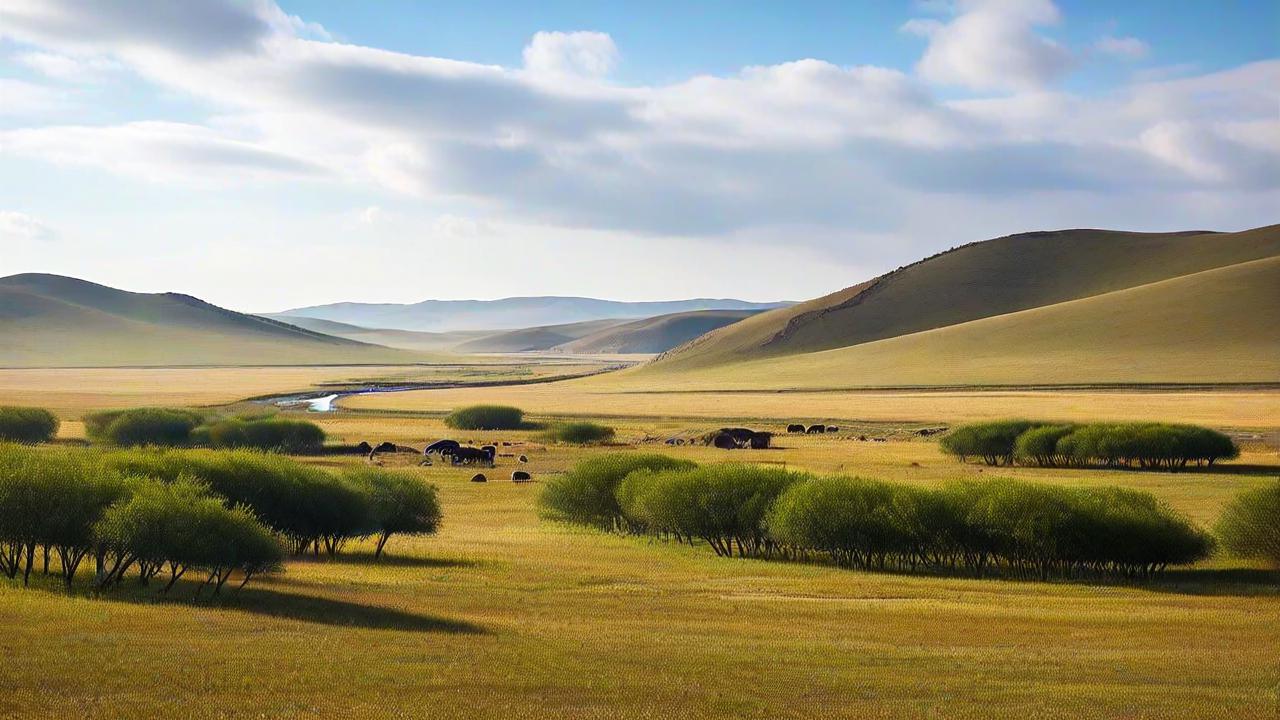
x=451, y=451
x=738, y=438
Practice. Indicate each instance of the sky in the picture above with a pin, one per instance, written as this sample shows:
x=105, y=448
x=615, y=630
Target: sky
x=267, y=155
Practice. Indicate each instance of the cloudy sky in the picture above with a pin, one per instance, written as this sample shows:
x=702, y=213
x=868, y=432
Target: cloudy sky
x=264, y=155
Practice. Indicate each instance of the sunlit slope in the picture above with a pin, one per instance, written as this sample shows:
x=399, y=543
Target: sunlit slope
x=655, y=335
x=984, y=279
x=1220, y=325
x=404, y=339
x=49, y=320
x=533, y=339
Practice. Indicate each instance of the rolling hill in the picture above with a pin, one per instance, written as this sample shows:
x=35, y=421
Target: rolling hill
x=1213, y=326
x=507, y=314
x=535, y=339
x=404, y=339
x=654, y=335
x=51, y=320
x=980, y=280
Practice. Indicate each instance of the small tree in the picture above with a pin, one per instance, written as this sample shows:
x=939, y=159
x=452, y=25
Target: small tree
x=587, y=493
x=1250, y=525
x=579, y=433
x=485, y=417
x=400, y=504
x=27, y=425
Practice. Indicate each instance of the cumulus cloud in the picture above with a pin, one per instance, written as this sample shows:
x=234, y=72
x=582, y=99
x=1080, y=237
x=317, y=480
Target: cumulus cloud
x=993, y=45
x=803, y=149
x=20, y=227
x=586, y=54
x=21, y=98
x=68, y=68
x=1125, y=48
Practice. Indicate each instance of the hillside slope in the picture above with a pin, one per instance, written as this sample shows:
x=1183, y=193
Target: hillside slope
x=404, y=339
x=533, y=339
x=979, y=280
x=509, y=313
x=654, y=335
x=1220, y=325
x=50, y=320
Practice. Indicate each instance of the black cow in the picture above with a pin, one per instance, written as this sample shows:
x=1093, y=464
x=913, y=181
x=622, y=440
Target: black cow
x=725, y=442
x=471, y=456
x=441, y=447
x=816, y=429
x=761, y=440
x=520, y=476
x=364, y=448
x=833, y=429
x=795, y=428
x=479, y=477
x=385, y=447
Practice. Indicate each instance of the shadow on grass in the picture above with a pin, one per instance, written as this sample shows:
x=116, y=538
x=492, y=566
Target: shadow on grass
x=1240, y=582
x=388, y=559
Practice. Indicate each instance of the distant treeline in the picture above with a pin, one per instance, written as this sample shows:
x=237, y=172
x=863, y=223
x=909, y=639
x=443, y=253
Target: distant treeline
x=176, y=427
x=1144, y=445
x=999, y=527
x=212, y=512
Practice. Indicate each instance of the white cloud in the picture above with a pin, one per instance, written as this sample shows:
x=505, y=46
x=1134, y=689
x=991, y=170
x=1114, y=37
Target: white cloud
x=19, y=98
x=68, y=68
x=1125, y=48
x=993, y=45
x=20, y=227
x=585, y=54
x=372, y=215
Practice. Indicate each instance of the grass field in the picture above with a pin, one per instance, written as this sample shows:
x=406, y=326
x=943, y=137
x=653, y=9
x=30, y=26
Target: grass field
x=505, y=616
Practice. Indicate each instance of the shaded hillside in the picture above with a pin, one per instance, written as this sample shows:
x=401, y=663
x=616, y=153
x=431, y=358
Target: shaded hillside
x=507, y=314
x=654, y=335
x=535, y=338
x=404, y=339
x=50, y=320
x=980, y=280
x=1220, y=325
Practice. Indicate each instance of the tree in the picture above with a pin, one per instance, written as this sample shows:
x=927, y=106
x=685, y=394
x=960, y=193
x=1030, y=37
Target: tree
x=400, y=504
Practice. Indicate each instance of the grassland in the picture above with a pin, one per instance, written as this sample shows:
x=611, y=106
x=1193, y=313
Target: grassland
x=503, y=615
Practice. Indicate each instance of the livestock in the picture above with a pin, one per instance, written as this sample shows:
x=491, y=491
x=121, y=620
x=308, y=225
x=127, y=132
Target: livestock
x=385, y=447
x=520, y=476
x=479, y=477
x=725, y=442
x=471, y=456
x=816, y=429
x=795, y=428
x=522, y=459
x=761, y=440
x=833, y=429
x=440, y=447
x=364, y=448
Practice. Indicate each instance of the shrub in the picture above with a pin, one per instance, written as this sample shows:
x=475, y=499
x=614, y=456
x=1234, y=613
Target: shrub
x=851, y=519
x=308, y=506
x=27, y=424
x=724, y=505
x=400, y=504
x=275, y=434
x=587, y=493
x=579, y=433
x=1250, y=525
x=143, y=426
x=991, y=441
x=486, y=417
x=1040, y=445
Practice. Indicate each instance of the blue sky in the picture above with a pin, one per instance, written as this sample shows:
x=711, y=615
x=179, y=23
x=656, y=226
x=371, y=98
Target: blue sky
x=265, y=155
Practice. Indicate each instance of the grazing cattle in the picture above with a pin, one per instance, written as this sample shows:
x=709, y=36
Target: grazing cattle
x=742, y=436
x=879, y=439
x=385, y=447
x=795, y=428
x=479, y=477
x=761, y=440
x=862, y=438
x=833, y=429
x=816, y=429
x=440, y=447
x=522, y=459
x=364, y=448
x=725, y=442
x=520, y=476
x=471, y=456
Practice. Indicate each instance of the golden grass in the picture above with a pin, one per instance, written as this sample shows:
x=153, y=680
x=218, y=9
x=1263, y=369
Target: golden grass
x=505, y=616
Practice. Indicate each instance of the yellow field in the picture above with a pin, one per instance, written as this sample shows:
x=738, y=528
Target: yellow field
x=506, y=616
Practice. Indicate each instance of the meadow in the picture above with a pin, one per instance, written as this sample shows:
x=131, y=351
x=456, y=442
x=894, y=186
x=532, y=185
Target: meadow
x=503, y=614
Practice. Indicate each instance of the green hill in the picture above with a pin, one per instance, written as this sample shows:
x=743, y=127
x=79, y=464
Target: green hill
x=50, y=320
x=983, y=279
x=1219, y=325
x=534, y=339
x=404, y=339
x=656, y=334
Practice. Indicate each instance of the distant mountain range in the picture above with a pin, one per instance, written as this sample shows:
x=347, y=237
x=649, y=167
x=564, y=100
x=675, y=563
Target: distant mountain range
x=507, y=314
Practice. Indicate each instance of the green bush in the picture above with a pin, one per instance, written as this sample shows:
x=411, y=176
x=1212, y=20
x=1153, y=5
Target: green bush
x=579, y=433
x=723, y=505
x=400, y=504
x=991, y=441
x=1250, y=525
x=1040, y=445
x=162, y=427
x=27, y=425
x=587, y=493
x=486, y=417
x=273, y=434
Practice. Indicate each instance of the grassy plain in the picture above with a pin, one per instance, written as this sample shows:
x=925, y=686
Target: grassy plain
x=502, y=615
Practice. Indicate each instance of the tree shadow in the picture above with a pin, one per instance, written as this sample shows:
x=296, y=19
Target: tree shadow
x=388, y=559
x=1239, y=582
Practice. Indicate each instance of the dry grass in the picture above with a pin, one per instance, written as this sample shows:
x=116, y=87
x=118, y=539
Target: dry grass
x=505, y=616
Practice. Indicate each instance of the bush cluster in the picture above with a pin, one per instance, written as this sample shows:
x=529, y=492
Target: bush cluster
x=1250, y=525
x=27, y=425
x=177, y=427
x=69, y=505
x=999, y=527
x=274, y=434
x=310, y=508
x=579, y=433
x=1144, y=445
x=485, y=417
